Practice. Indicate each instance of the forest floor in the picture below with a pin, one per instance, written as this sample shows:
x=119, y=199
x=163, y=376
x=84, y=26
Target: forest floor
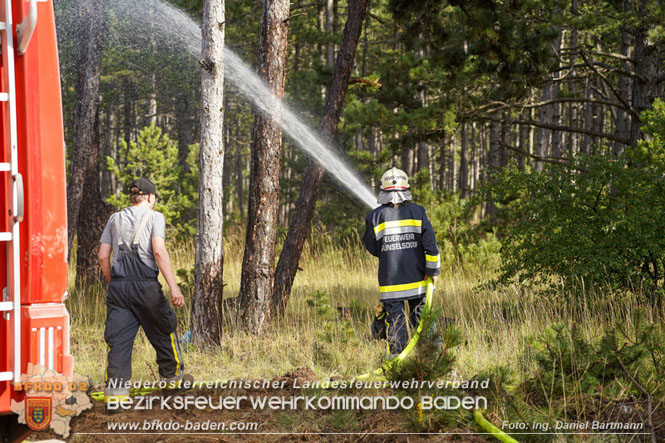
x=271, y=424
x=317, y=341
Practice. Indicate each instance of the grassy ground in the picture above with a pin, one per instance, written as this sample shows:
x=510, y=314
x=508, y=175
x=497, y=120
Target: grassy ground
x=495, y=324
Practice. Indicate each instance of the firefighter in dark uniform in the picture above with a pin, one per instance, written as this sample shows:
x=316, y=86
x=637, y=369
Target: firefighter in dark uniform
x=135, y=297
x=399, y=233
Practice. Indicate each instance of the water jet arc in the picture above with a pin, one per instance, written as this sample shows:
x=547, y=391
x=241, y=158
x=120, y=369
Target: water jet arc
x=174, y=26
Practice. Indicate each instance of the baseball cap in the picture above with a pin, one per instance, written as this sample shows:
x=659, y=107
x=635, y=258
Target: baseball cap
x=144, y=186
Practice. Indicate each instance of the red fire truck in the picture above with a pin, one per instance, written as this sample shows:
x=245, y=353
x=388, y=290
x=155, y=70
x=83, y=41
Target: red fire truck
x=34, y=324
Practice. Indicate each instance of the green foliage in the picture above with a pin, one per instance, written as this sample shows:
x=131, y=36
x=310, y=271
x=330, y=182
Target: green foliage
x=597, y=218
x=461, y=243
x=651, y=152
x=155, y=156
x=433, y=356
x=432, y=359
x=572, y=372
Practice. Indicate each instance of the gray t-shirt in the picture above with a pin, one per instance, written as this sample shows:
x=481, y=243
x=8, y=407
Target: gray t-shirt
x=130, y=218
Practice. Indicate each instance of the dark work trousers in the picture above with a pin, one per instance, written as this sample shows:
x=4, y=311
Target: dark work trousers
x=134, y=299
x=396, y=328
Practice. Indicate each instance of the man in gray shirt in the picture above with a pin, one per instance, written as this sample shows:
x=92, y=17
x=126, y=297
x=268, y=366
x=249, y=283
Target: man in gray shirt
x=135, y=297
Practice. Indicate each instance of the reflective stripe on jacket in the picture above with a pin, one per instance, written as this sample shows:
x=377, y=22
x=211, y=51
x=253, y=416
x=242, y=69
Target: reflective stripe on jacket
x=404, y=241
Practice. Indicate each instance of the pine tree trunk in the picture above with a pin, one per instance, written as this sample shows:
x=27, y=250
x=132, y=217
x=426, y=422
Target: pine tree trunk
x=311, y=184
x=544, y=116
x=588, y=120
x=572, y=140
x=505, y=140
x=647, y=64
x=408, y=160
x=206, y=316
x=524, y=147
x=89, y=47
x=622, y=116
x=109, y=149
x=463, y=178
x=227, y=176
x=238, y=173
x=493, y=159
x=184, y=128
x=557, y=150
x=92, y=221
x=259, y=257
x=330, y=46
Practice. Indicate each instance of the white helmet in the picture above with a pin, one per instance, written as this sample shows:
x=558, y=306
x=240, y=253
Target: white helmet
x=394, y=180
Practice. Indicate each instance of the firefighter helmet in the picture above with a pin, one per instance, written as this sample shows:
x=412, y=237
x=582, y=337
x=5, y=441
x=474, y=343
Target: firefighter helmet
x=394, y=180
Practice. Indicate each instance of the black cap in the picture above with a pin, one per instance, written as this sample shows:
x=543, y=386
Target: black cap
x=145, y=187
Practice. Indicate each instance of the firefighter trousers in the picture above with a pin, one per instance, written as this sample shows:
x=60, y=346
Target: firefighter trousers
x=397, y=330
x=134, y=303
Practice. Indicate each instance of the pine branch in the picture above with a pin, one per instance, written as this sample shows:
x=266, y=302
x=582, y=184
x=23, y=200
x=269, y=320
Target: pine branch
x=609, y=84
x=374, y=17
x=602, y=54
x=542, y=158
x=503, y=105
x=552, y=127
x=353, y=80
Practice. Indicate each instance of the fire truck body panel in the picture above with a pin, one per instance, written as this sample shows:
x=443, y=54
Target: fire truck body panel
x=40, y=131
x=44, y=337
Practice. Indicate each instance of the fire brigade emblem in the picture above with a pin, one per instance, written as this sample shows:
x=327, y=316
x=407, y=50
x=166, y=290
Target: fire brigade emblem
x=38, y=412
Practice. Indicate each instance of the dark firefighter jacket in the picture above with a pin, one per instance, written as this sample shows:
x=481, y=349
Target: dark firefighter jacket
x=404, y=241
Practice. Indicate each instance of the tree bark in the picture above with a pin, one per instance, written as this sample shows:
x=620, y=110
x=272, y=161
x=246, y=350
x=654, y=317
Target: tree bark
x=463, y=177
x=623, y=118
x=586, y=138
x=227, y=174
x=493, y=159
x=129, y=94
x=89, y=47
x=557, y=150
x=524, y=147
x=184, y=128
x=92, y=221
x=258, y=262
x=647, y=63
x=330, y=46
x=311, y=184
x=238, y=173
x=545, y=117
x=109, y=148
x=206, y=316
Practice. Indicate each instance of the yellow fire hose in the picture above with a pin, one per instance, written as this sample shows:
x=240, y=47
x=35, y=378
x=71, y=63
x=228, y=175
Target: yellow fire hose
x=99, y=395
x=489, y=427
x=414, y=340
x=477, y=414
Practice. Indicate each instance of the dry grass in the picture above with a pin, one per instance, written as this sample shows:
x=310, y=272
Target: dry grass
x=495, y=323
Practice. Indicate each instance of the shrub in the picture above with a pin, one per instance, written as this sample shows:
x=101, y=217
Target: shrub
x=578, y=378
x=461, y=242
x=596, y=217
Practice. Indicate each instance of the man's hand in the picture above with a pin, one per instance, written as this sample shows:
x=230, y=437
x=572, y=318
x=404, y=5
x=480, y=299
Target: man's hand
x=164, y=264
x=433, y=277
x=177, y=298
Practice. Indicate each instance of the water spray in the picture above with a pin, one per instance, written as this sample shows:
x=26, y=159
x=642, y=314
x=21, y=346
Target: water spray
x=171, y=26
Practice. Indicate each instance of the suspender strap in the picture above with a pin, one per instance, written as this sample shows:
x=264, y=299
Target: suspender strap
x=141, y=228
x=137, y=233
x=121, y=241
